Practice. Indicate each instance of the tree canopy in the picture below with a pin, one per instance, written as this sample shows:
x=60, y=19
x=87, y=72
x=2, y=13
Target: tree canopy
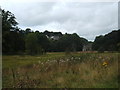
x=18, y=41
x=108, y=42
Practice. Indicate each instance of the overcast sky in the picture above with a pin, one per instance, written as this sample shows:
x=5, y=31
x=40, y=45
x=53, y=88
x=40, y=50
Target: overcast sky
x=87, y=19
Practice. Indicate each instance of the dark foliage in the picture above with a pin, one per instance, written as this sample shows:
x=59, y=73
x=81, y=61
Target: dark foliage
x=108, y=42
x=17, y=41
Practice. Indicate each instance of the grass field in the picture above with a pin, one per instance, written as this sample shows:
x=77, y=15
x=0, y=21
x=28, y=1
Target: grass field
x=57, y=70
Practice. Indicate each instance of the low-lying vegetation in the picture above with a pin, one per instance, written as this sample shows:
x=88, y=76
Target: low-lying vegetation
x=57, y=70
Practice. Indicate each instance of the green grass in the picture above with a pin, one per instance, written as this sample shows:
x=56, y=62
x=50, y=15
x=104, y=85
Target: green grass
x=57, y=70
x=22, y=60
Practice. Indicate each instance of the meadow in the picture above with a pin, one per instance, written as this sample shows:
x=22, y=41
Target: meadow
x=58, y=70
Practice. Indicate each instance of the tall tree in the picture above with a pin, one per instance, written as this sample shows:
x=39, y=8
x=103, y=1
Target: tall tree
x=71, y=42
x=36, y=43
x=108, y=42
x=31, y=44
x=12, y=41
x=8, y=21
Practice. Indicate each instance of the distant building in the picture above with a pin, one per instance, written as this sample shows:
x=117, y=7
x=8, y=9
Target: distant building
x=53, y=35
x=87, y=47
x=47, y=36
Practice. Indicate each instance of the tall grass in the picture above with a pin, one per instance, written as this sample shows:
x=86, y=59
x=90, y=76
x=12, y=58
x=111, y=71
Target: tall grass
x=55, y=70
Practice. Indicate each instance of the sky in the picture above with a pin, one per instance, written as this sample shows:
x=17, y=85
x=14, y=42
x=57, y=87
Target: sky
x=87, y=19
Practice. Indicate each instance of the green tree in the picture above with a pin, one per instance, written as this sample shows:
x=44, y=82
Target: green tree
x=8, y=21
x=97, y=45
x=71, y=42
x=28, y=30
x=43, y=41
x=31, y=44
x=36, y=43
x=12, y=41
x=108, y=42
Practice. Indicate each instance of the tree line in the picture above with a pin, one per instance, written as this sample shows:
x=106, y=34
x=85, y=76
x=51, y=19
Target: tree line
x=18, y=41
x=108, y=42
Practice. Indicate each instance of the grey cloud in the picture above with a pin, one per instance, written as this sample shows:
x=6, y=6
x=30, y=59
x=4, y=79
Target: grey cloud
x=87, y=19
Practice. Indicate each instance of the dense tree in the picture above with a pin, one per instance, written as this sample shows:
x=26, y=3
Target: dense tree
x=97, y=43
x=16, y=41
x=71, y=42
x=108, y=42
x=31, y=44
x=43, y=41
x=28, y=30
x=12, y=41
x=36, y=43
x=8, y=21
